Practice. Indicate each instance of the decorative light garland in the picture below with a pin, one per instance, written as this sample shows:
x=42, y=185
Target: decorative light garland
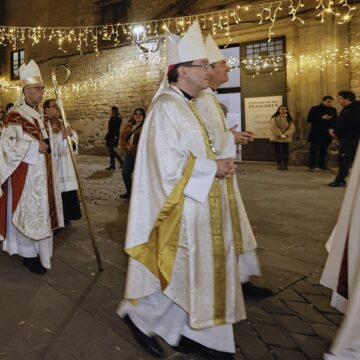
x=100, y=81
x=256, y=66
x=218, y=22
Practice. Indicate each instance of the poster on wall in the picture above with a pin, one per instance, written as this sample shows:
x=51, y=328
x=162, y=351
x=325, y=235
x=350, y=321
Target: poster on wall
x=232, y=108
x=258, y=112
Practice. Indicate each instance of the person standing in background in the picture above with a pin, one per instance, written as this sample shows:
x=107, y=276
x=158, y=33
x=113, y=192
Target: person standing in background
x=347, y=131
x=321, y=118
x=129, y=140
x=112, y=137
x=282, y=129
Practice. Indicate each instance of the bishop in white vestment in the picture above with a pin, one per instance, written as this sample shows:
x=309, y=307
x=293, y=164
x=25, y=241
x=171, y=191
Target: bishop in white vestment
x=30, y=202
x=224, y=144
x=183, y=279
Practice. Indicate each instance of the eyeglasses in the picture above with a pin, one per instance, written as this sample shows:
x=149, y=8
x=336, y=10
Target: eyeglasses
x=37, y=88
x=203, y=66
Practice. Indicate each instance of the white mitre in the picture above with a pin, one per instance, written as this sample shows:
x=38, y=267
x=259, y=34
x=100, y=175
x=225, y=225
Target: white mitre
x=30, y=74
x=214, y=54
x=182, y=49
x=187, y=48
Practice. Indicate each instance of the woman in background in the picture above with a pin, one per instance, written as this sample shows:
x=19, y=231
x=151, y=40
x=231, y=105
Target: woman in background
x=282, y=129
x=129, y=140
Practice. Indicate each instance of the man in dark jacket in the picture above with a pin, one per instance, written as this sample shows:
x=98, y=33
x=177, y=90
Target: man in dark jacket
x=112, y=137
x=347, y=130
x=321, y=117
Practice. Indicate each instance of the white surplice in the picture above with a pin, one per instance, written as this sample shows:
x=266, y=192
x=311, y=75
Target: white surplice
x=66, y=171
x=224, y=144
x=29, y=230
x=346, y=345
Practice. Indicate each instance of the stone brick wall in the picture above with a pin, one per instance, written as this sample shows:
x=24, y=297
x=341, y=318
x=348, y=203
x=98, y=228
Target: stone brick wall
x=354, y=35
x=88, y=110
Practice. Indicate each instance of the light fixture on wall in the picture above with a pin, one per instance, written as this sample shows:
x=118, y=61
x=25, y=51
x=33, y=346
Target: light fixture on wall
x=138, y=36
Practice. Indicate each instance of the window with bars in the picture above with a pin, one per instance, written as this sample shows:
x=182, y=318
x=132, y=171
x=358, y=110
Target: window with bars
x=17, y=59
x=264, y=56
x=113, y=13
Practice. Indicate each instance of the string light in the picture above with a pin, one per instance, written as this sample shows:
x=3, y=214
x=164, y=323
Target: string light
x=218, y=22
x=100, y=81
x=257, y=65
x=328, y=7
x=293, y=10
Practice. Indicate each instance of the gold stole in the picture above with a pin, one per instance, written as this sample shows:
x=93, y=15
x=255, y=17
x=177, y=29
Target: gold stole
x=216, y=221
x=158, y=254
x=235, y=218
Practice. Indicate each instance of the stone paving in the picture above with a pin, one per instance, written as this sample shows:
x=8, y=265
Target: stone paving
x=70, y=312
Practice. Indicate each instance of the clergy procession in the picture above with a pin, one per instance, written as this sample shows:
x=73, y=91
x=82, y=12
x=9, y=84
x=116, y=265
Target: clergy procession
x=192, y=252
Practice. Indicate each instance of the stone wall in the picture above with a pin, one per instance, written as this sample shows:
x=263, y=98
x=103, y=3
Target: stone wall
x=354, y=36
x=88, y=108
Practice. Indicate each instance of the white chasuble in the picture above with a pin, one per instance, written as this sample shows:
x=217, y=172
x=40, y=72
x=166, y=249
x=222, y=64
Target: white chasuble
x=176, y=197
x=233, y=206
x=31, y=220
x=65, y=169
x=346, y=234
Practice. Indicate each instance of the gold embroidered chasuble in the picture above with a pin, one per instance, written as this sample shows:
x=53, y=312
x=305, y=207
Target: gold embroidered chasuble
x=241, y=231
x=176, y=243
x=32, y=216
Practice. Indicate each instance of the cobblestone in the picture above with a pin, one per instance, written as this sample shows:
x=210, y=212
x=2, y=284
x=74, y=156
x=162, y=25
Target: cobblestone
x=286, y=354
x=77, y=304
x=294, y=324
x=312, y=346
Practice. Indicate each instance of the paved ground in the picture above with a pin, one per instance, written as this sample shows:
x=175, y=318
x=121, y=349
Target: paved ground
x=70, y=312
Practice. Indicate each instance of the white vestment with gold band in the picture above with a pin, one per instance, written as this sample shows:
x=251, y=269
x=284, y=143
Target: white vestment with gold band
x=224, y=144
x=172, y=134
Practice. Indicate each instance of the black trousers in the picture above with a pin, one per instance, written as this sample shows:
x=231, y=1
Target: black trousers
x=127, y=170
x=345, y=159
x=71, y=205
x=318, y=153
x=113, y=154
x=281, y=152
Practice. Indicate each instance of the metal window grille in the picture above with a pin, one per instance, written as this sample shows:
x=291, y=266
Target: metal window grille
x=17, y=59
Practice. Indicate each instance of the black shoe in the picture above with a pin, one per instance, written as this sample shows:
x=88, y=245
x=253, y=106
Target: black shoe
x=34, y=265
x=149, y=344
x=187, y=346
x=125, y=196
x=337, y=183
x=251, y=290
x=110, y=168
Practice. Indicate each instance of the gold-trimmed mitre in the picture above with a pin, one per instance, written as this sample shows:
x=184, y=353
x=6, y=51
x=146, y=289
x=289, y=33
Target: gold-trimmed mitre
x=30, y=74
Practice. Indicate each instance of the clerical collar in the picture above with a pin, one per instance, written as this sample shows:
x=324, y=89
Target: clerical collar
x=33, y=107
x=189, y=97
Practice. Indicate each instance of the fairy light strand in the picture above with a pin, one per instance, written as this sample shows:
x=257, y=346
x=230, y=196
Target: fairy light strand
x=257, y=65
x=219, y=22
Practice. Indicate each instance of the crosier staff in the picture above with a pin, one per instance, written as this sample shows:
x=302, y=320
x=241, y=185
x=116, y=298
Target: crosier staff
x=66, y=124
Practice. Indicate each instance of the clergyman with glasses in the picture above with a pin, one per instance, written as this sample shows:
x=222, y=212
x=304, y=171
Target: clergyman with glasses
x=30, y=200
x=183, y=275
